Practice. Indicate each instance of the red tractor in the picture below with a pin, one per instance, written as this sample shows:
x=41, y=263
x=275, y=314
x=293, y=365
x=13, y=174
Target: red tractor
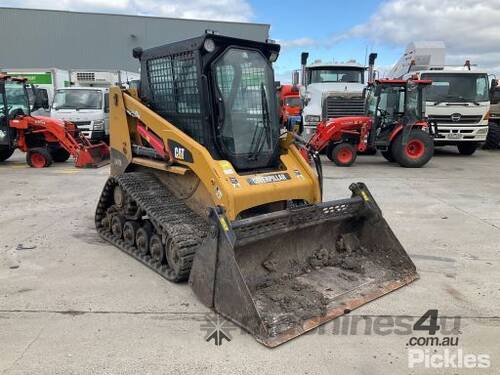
x=394, y=124
x=44, y=139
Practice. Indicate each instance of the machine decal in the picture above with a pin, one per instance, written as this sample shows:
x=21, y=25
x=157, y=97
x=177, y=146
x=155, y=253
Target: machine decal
x=180, y=152
x=226, y=167
x=234, y=181
x=268, y=179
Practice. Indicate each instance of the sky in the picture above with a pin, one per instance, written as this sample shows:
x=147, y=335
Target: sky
x=336, y=29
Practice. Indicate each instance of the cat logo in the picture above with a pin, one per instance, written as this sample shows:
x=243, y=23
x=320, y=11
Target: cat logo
x=179, y=153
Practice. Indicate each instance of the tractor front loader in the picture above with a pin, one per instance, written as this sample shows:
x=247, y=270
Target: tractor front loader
x=203, y=187
x=44, y=139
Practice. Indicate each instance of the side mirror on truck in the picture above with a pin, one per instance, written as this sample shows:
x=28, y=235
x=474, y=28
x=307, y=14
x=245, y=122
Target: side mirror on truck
x=295, y=78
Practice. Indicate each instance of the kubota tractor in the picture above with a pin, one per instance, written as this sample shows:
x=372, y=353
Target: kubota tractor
x=394, y=123
x=44, y=139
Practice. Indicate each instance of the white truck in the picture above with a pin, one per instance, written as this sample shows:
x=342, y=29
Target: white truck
x=331, y=90
x=48, y=80
x=86, y=102
x=457, y=101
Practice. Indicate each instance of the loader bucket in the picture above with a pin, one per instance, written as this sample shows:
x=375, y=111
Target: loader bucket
x=281, y=274
x=92, y=156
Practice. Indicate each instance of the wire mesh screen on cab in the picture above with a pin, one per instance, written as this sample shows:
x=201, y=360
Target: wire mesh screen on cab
x=173, y=82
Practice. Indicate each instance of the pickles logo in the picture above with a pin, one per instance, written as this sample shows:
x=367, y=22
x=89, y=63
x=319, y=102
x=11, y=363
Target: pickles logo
x=217, y=329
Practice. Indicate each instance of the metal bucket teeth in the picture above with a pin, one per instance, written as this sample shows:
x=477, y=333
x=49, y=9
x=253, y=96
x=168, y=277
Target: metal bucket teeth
x=281, y=274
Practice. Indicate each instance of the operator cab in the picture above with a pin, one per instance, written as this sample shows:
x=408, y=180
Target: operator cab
x=392, y=102
x=220, y=91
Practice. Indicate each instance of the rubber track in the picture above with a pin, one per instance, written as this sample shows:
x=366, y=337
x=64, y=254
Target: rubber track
x=169, y=215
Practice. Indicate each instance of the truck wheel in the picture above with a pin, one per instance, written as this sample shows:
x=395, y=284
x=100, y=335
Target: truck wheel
x=388, y=155
x=342, y=154
x=60, y=155
x=6, y=152
x=493, y=138
x=38, y=157
x=417, y=150
x=467, y=148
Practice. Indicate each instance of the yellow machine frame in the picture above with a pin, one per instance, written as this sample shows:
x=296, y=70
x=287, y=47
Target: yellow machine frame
x=227, y=188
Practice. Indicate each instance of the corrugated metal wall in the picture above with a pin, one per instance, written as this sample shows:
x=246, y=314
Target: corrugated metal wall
x=67, y=40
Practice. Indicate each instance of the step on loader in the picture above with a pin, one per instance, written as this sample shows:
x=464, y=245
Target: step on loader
x=204, y=188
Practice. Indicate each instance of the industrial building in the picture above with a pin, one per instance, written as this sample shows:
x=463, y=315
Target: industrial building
x=76, y=40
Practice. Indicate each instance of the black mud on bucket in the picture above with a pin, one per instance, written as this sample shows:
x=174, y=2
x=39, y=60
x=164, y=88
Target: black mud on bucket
x=281, y=274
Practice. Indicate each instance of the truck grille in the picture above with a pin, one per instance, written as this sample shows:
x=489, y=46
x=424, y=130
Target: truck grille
x=447, y=119
x=81, y=123
x=335, y=106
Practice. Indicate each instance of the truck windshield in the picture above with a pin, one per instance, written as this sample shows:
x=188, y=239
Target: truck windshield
x=462, y=87
x=322, y=75
x=77, y=99
x=293, y=102
x=245, y=82
x=17, y=99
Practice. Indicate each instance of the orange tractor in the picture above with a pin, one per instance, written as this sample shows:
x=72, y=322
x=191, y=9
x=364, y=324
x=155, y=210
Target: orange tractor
x=394, y=124
x=44, y=139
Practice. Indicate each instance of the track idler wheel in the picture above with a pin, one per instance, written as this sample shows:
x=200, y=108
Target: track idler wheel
x=117, y=223
x=175, y=262
x=142, y=238
x=157, y=249
x=129, y=232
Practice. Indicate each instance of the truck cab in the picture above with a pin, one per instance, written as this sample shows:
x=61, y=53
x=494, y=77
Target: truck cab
x=458, y=102
x=331, y=90
x=289, y=102
x=86, y=107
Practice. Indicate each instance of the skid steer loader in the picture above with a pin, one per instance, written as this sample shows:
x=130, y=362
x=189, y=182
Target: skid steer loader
x=203, y=187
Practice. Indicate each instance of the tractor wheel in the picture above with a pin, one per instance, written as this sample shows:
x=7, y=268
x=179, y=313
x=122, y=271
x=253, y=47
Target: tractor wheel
x=467, y=148
x=60, y=155
x=6, y=152
x=388, y=155
x=342, y=154
x=493, y=138
x=417, y=150
x=38, y=157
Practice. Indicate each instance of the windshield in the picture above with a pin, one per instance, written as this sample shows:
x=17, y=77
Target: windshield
x=456, y=87
x=17, y=99
x=245, y=82
x=77, y=99
x=336, y=75
x=293, y=102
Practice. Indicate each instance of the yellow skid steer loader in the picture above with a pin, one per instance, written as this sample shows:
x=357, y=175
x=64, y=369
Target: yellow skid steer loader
x=204, y=187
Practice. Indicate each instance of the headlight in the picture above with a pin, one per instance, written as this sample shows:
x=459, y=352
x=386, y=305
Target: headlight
x=482, y=131
x=313, y=118
x=98, y=125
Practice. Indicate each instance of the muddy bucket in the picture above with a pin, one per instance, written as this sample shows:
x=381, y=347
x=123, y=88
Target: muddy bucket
x=281, y=274
x=92, y=156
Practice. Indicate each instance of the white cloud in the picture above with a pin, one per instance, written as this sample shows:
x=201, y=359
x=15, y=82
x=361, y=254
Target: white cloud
x=470, y=28
x=299, y=42
x=221, y=10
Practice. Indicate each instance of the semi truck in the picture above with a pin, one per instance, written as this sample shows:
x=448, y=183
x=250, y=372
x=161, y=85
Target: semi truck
x=457, y=102
x=86, y=102
x=45, y=80
x=331, y=90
